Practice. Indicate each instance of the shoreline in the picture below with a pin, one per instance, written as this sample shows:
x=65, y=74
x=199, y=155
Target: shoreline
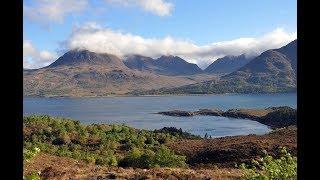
x=165, y=95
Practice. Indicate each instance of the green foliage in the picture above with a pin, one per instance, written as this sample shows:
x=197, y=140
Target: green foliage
x=30, y=153
x=163, y=157
x=101, y=144
x=268, y=168
x=33, y=176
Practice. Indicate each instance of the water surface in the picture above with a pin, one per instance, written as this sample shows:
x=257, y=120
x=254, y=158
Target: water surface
x=139, y=112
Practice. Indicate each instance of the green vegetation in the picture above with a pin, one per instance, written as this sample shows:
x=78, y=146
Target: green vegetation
x=213, y=87
x=30, y=153
x=268, y=168
x=123, y=146
x=163, y=157
x=102, y=144
x=33, y=176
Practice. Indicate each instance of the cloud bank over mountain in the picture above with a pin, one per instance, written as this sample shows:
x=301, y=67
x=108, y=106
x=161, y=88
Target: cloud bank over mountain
x=95, y=38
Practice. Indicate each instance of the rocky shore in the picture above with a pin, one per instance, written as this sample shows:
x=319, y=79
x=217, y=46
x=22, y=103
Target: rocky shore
x=275, y=117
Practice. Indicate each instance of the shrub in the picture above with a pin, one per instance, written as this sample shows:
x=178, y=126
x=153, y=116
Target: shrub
x=267, y=167
x=90, y=159
x=107, y=159
x=132, y=159
x=30, y=153
x=33, y=176
x=165, y=157
x=62, y=139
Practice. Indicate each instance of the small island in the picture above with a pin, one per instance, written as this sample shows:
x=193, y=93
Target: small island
x=275, y=117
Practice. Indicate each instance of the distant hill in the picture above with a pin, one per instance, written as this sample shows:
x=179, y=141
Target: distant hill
x=174, y=65
x=227, y=64
x=141, y=63
x=164, y=65
x=272, y=71
x=85, y=73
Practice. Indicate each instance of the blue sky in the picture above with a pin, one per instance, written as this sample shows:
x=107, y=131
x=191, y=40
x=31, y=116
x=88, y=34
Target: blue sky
x=195, y=24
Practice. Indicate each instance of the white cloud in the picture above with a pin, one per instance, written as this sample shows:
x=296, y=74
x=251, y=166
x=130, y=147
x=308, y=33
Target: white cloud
x=52, y=10
x=46, y=11
x=158, y=7
x=104, y=40
x=33, y=58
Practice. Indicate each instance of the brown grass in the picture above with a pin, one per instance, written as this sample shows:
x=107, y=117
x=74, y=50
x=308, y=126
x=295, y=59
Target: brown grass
x=227, y=151
x=54, y=167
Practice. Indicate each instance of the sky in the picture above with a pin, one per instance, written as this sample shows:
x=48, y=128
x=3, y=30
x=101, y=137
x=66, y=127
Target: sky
x=198, y=31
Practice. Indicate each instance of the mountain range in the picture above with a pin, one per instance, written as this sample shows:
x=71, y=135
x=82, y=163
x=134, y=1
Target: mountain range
x=84, y=73
x=272, y=71
x=165, y=65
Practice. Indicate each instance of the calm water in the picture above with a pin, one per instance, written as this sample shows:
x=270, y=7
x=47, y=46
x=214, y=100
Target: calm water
x=138, y=111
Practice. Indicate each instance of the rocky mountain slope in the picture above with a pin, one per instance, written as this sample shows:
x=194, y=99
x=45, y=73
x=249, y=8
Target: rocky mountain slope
x=272, y=71
x=164, y=65
x=227, y=64
x=85, y=73
x=290, y=51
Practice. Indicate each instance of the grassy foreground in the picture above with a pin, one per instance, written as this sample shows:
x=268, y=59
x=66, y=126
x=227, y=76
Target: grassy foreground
x=107, y=151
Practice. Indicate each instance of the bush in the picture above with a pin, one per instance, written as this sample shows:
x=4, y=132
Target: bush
x=33, y=176
x=30, y=153
x=107, y=159
x=132, y=159
x=269, y=168
x=90, y=159
x=163, y=157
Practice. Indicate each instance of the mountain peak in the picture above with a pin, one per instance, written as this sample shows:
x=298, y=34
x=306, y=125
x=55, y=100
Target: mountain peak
x=169, y=57
x=85, y=57
x=227, y=64
x=164, y=65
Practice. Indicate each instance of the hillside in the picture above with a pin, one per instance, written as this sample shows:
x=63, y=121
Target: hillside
x=61, y=148
x=272, y=71
x=164, y=65
x=227, y=64
x=290, y=50
x=85, y=73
